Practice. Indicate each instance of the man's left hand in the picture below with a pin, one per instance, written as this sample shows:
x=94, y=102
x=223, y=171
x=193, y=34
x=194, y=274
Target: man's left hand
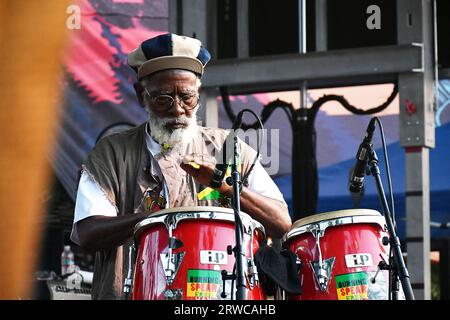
x=202, y=172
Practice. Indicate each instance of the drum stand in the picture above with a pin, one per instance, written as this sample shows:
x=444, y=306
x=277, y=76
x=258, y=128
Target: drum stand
x=398, y=268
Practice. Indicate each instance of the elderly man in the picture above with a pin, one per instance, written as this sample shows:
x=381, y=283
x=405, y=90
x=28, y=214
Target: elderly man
x=157, y=165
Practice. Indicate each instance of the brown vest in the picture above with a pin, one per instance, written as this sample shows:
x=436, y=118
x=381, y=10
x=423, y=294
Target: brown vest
x=120, y=165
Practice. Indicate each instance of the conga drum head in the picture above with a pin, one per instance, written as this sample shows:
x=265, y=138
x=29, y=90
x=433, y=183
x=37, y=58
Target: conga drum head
x=339, y=254
x=182, y=253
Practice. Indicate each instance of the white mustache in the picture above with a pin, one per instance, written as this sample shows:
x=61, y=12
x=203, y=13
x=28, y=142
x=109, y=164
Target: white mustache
x=178, y=120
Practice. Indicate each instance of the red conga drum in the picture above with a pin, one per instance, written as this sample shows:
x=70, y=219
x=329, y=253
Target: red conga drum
x=181, y=253
x=339, y=254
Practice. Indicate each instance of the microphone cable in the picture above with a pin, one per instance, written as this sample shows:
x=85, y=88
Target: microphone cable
x=388, y=172
x=260, y=138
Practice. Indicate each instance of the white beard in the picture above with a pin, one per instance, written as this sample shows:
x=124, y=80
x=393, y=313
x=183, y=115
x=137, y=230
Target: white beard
x=176, y=139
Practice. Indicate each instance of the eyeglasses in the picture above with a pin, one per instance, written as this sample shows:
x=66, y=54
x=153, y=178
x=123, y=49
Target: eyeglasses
x=164, y=101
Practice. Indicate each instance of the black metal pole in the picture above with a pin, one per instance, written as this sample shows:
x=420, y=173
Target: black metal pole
x=399, y=262
x=241, y=289
x=304, y=168
x=299, y=155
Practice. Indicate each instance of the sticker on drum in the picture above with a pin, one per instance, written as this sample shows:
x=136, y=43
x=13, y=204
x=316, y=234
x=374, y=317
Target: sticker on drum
x=203, y=284
x=213, y=257
x=360, y=286
x=352, y=286
x=358, y=260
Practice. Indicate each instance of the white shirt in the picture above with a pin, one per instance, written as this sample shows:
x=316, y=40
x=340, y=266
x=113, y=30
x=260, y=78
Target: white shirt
x=92, y=201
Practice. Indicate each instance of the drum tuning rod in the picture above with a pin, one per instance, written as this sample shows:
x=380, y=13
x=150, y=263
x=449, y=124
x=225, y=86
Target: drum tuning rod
x=373, y=279
x=382, y=265
x=129, y=279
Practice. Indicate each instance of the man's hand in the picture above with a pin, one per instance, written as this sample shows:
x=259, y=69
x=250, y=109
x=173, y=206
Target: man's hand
x=202, y=171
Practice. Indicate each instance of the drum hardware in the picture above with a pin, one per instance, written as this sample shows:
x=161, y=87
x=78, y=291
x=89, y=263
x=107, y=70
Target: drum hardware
x=299, y=263
x=232, y=276
x=252, y=271
x=129, y=279
x=175, y=243
x=171, y=261
x=252, y=275
x=322, y=225
x=226, y=276
x=382, y=265
x=186, y=215
x=322, y=272
x=322, y=268
x=171, y=221
x=173, y=294
x=196, y=215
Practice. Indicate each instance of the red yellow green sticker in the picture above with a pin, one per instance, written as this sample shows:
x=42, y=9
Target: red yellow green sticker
x=203, y=284
x=213, y=194
x=352, y=286
x=208, y=194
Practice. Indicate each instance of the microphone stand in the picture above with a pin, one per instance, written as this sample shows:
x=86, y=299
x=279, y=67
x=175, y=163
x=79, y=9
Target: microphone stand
x=241, y=289
x=399, y=267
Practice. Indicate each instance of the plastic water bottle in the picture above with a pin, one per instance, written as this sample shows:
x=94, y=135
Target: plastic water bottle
x=67, y=261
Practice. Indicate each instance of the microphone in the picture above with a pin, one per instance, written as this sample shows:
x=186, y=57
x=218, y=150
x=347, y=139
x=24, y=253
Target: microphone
x=221, y=167
x=356, y=182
